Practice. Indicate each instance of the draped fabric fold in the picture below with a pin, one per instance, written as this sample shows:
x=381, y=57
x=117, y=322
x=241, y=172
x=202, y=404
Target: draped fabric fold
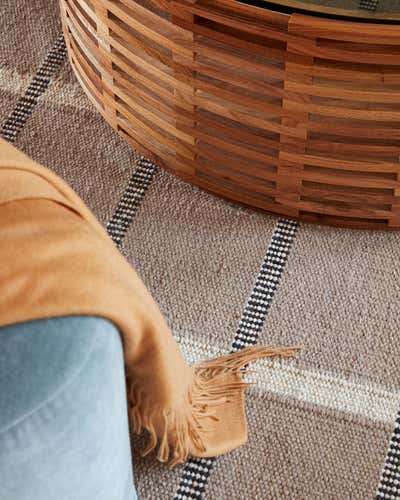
x=58, y=260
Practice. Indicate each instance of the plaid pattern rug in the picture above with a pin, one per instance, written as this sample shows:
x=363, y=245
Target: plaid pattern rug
x=321, y=426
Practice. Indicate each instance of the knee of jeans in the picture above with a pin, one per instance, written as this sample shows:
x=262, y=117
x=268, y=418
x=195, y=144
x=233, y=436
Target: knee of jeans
x=40, y=358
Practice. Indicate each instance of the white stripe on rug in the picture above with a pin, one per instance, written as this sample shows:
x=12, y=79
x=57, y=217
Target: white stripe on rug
x=322, y=389
x=60, y=92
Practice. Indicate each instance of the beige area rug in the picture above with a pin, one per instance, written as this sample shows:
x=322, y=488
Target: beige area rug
x=225, y=276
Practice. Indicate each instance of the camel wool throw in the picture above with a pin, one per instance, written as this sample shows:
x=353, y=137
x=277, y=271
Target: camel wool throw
x=58, y=260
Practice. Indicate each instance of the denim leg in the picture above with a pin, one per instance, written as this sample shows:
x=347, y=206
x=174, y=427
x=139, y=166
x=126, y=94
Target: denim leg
x=63, y=414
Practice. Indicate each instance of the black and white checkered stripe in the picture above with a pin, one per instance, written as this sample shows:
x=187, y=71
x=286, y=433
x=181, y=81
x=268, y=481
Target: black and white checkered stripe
x=15, y=122
x=389, y=485
x=197, y=470
x=131, y=200
x=267, y=282
x=369, y=4
x=194, y=478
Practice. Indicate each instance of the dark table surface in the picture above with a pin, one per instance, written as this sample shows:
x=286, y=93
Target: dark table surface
x=384, y=10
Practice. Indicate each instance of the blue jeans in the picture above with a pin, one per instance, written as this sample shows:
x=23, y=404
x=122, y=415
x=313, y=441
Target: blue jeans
x=63, y=414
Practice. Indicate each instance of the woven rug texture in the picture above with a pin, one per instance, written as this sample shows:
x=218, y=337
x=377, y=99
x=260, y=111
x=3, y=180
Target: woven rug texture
x=321, y=426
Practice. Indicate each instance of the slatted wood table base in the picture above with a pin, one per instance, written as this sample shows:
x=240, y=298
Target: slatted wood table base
x=293, y=114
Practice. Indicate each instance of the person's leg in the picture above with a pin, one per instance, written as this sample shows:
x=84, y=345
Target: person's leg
x=63, y=413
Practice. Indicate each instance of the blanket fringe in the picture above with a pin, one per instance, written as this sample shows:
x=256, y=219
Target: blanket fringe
x=178, y=431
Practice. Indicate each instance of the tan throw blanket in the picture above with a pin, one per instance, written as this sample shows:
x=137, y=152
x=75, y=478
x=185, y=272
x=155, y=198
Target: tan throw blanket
x=56, y=259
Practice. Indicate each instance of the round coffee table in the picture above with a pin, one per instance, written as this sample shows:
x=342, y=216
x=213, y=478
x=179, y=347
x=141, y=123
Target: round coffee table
x=291, y=107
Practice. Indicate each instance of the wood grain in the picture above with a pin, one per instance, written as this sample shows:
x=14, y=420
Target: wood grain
x=292, y=114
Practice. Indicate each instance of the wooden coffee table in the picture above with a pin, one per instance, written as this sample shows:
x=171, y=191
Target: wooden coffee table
x=288, y=106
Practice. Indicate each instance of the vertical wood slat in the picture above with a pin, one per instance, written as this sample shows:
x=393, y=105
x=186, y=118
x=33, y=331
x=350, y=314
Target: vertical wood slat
x=105, y=68
x=289, y=174
x=185, y=98
x=394, y=220
x=64, y=23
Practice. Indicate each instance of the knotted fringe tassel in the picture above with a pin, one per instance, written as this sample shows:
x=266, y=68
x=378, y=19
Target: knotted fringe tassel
x=179, y=430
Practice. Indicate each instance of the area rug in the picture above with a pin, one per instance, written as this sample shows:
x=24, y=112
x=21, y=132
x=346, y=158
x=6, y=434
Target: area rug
x=321, y=426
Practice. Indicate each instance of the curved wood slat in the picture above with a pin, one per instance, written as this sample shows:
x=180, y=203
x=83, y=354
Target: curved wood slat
x=292, y=114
